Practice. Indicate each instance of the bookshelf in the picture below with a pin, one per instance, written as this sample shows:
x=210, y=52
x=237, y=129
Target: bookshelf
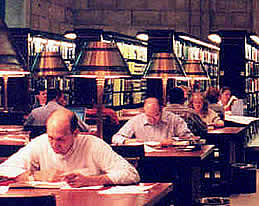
x=127, y=92
x=187, y=47
x=240, y=68
x=30, y=43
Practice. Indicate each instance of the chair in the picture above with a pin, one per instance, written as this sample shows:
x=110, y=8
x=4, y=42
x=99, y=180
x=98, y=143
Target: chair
x=35, y=130
x=109, y=127
x=132, y=153
x=47, y=200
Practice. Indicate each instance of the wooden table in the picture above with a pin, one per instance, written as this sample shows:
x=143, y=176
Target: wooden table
x=182, y=168
x=9, y=147
x=230, y=141
x=84, y=197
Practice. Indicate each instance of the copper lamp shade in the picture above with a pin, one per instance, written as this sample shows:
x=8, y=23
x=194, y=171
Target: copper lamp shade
x=9, y=64
x=49, y=64
x=164, y=64
x=102, y=59
x=195, y=70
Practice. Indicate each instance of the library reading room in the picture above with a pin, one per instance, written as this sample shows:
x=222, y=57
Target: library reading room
x=159, y=102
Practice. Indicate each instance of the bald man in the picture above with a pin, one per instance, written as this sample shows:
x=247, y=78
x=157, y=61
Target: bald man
x=62, y=154
x=152, y=125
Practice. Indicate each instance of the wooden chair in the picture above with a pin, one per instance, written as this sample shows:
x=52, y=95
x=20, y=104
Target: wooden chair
x=132, y=153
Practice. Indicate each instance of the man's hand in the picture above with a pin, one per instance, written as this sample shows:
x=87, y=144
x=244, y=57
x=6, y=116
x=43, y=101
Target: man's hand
x=79, y=180
x=48, y=176
x=167, y=142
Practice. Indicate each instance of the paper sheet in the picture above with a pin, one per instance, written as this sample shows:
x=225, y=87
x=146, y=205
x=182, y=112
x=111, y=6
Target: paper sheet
x=11, y=172
x=82, y=188
x=131, y=189
x=240, y=119
x=41, y=184
x=150, y=149
x=4, y=189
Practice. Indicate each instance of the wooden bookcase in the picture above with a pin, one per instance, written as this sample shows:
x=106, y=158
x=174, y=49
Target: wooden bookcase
x=239, y=63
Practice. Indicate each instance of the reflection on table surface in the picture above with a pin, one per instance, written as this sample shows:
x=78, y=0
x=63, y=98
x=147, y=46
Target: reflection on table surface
x=141, y=194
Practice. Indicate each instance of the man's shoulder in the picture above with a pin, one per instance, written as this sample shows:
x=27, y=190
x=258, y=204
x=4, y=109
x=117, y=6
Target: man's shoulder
x=41, y=140
x=89, y=140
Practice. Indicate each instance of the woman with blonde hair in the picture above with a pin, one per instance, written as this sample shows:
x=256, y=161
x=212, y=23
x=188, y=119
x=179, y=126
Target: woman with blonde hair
x=200, y=105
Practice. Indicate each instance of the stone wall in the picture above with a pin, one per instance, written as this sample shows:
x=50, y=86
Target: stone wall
x=45, y=15
x=196, y=17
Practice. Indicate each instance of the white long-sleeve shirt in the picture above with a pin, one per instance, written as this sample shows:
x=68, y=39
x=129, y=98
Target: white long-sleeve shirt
x=89, y=155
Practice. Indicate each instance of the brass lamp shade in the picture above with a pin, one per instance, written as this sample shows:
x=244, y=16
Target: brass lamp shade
x=9, y=64
x=195, y=70
x=49, y=64
x=164, y=64
x=101, y=59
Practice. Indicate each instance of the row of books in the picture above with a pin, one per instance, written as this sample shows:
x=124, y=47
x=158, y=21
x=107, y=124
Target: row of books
x=195, y=53
x=251, y=52
x=252, y=69
x=252, y=85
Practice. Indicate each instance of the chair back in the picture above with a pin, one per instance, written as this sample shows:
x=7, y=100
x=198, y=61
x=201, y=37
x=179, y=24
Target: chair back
x=35, y=130
x=132, y=153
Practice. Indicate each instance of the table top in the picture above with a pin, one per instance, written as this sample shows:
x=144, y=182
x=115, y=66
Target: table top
x=226, y=130
x=87, y=197
x=173, y=153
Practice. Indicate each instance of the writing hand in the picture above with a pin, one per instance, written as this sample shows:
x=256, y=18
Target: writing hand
x=75, y=179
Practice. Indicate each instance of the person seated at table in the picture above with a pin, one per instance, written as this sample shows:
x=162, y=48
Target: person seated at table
x=227, y=99
x=212, y=96
x=110, y=120
x=40, y=97
x=38, y=116
x=62, y=154
x=152, y=125
x=105, y=112
x=193, y=120
x=200, y=105
x=187, y=92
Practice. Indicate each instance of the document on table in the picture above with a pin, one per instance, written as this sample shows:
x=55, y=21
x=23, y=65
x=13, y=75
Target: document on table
x=128, y=189
x=240, y=119
x=11, y=172
x=51, y=185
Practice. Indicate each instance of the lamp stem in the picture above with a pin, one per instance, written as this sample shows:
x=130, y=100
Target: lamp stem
x=5, y=77
x=164, y=84
x=100, y=80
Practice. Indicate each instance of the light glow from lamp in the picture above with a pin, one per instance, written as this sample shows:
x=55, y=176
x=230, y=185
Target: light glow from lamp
x=214, y=38
x=197, y=41
x=255, y=38
x=142, y=36
x=70, y=35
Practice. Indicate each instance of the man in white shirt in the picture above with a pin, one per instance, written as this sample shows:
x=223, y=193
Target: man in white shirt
x=62, y=154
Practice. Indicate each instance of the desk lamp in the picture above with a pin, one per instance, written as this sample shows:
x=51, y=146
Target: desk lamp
x=100, y=60
x=195, y=70
x=49, y=64
x=164, y=65
x=9, y=64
